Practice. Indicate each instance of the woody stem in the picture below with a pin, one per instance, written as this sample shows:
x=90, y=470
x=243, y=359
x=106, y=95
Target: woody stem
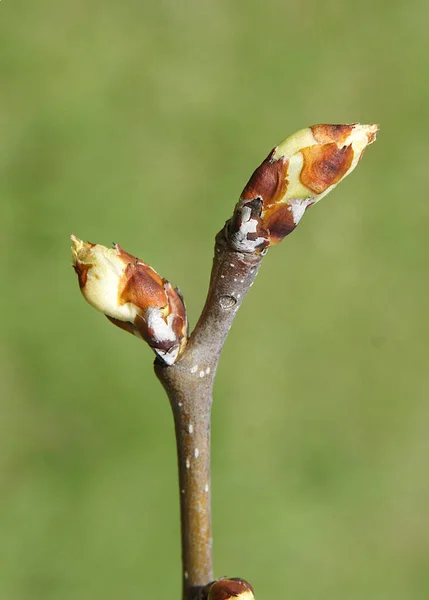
x=189, y=385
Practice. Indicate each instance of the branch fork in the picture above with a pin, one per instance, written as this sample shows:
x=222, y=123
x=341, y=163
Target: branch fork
x=294, y=176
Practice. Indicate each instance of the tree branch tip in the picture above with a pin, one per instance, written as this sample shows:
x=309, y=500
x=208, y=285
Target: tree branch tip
x=296, y=174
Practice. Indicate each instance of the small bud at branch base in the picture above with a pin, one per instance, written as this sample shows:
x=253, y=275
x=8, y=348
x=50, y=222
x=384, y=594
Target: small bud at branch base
x=132, y=296
x=230, y=589
x=295, y=175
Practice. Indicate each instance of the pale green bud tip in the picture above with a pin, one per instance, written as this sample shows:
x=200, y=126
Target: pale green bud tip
x=132, y=295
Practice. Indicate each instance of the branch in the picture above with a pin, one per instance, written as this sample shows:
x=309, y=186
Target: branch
x=189, y=385
x=294, y=176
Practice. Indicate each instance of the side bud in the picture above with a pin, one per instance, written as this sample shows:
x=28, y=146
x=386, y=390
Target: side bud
x=132, y=296
x=294, y=176
x=229, y=589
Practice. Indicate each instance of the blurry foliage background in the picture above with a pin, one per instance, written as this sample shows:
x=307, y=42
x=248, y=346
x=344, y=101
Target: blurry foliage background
x=140, y=123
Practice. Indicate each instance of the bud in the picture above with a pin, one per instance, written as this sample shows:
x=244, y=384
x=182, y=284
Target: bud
x=132, y=296
x=230, y=589
x=294, y=176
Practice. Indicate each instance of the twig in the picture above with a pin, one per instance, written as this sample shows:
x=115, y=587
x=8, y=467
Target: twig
x=189, y=385
x=294, y=176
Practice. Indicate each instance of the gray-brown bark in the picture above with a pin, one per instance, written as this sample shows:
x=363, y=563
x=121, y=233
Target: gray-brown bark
x=189, y=385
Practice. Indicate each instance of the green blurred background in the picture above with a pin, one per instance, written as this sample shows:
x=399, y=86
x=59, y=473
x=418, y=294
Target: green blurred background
x=140, y=123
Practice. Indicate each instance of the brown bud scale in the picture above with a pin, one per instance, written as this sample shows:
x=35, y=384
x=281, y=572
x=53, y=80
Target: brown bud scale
x=324, y=134
x=325, y=165
x=142, y=286
x=279, y=222
x=82, y=273
x=268, y=181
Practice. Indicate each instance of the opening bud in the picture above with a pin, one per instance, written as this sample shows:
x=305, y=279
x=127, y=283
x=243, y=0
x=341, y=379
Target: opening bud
x=132, y=296
x=295, y=175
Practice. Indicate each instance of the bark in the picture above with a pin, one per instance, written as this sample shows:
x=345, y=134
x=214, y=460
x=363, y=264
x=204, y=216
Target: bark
x=189, y=386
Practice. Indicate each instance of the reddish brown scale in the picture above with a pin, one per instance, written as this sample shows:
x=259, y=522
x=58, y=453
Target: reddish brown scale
x=245, y=584
x=325, y=134
x=142, y=286
x=177, y=307
x=141, y=282
x=325, y=165
x=268, y=181
x=125, y=256
x=82, y=273
x=279, y=222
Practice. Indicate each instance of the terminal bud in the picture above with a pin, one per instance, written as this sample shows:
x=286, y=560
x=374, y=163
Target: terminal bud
x=294, y=176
